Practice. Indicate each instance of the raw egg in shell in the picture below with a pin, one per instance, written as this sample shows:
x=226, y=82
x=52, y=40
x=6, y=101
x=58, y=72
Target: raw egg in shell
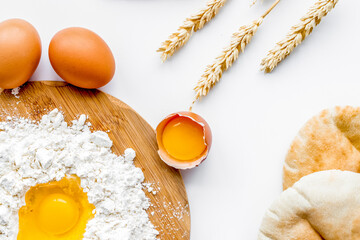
x=55, y=210
x=81, y=58
x=20, y=52
x=184, y=140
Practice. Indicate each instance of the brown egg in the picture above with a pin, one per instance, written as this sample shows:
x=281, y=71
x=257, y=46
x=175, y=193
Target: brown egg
x=20, y=52
x=184, y=140
x=81, y=58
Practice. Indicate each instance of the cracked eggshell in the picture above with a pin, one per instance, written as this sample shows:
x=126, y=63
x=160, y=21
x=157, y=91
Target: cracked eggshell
x=170, y=160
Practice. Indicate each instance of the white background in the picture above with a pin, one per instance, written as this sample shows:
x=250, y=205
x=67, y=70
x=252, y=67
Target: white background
x=254, y=116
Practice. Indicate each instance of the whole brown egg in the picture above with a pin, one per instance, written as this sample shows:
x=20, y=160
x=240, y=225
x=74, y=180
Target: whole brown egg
x=20, y=52
x=81, y=58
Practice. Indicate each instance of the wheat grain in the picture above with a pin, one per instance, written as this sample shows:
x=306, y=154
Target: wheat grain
x=297, y=34
x=214, y=72
x=191, y=24
x=253, y=3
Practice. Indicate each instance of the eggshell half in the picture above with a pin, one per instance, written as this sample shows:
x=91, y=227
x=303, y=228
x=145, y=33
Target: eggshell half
x=170, y=160
x=81, y=58
x=20, y=52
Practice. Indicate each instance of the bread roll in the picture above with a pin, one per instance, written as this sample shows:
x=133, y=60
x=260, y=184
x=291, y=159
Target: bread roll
x=330, y=140
x=322, y=205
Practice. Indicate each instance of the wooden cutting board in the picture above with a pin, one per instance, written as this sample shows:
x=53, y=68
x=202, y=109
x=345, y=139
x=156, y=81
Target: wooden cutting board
x=170, y=211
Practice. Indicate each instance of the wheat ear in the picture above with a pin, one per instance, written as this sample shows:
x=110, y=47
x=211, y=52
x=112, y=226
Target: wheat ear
x=191, y=24
x=297, y=34
x=224, y=61
x=239, y=41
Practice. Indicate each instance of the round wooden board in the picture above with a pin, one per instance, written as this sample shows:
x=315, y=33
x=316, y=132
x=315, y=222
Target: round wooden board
x=169, y=212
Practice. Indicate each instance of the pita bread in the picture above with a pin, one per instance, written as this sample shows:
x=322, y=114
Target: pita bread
x=330, y=140
x=322, y=205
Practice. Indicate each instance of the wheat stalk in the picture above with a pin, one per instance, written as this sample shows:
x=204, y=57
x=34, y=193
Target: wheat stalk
x=239, y=41
x=191, y=24
x=297, y=34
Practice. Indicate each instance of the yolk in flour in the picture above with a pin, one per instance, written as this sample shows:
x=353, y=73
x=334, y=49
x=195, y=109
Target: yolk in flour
x=183, y=139
x=55, y=210
x=57, y=214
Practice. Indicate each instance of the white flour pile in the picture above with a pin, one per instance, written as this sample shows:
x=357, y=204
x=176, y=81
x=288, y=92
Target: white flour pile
x=33, y=153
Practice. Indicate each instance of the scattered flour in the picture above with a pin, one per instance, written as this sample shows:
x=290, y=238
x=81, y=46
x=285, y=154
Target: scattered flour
x=33, y=153
x=150, y=188
x=15, y=92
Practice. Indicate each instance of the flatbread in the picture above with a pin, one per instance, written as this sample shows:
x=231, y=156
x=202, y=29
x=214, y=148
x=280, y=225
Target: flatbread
x=330, y=140
x=322, y=205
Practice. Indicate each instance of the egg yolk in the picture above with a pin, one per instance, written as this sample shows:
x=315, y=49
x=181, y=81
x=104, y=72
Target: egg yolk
x=56, y=210
x=57, y=214
x=183, y=139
